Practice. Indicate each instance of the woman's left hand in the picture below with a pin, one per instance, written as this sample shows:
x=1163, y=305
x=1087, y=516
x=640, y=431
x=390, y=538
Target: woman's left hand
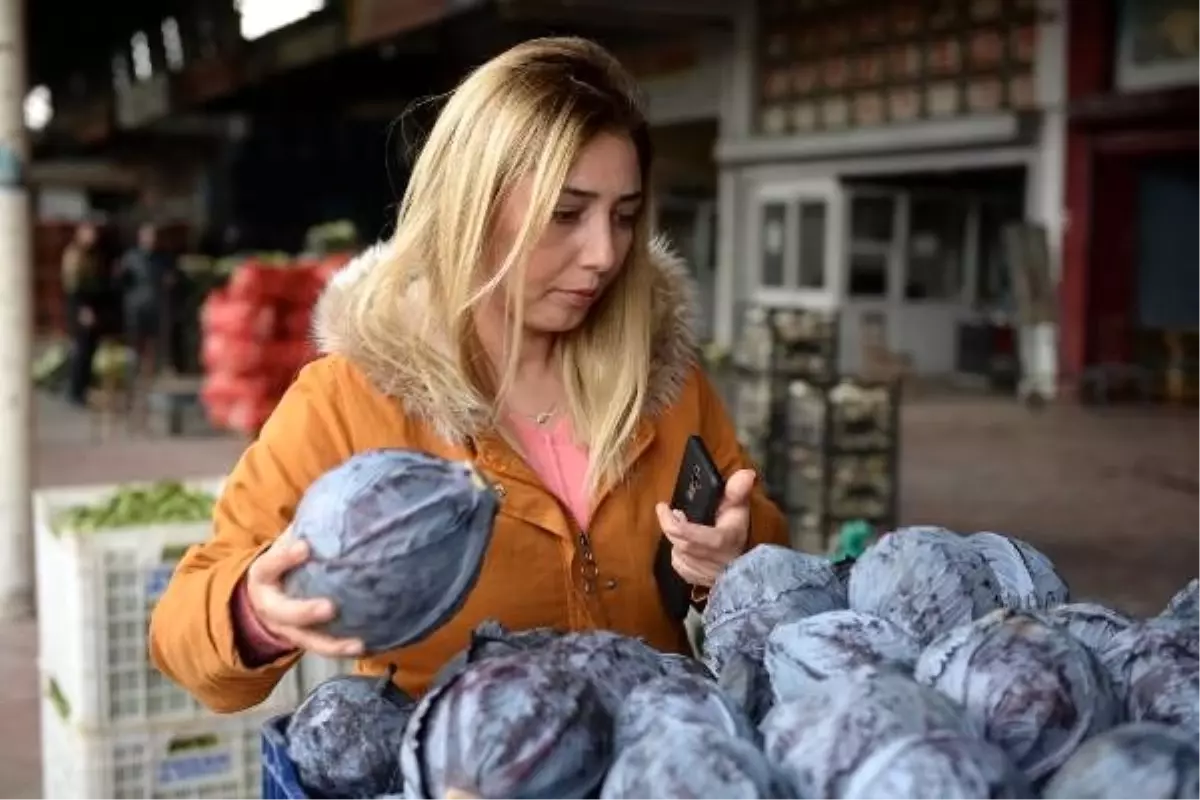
x=700, y=553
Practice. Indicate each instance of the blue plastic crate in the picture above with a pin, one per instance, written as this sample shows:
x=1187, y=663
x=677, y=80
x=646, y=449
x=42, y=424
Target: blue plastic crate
x=279, y=779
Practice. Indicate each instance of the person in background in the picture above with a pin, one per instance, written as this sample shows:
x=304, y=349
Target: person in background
x=522, y=316
x=149, y=281
x=84, y=291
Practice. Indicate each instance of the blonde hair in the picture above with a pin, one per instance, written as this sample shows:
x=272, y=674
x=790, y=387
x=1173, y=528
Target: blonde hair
x=526, y=113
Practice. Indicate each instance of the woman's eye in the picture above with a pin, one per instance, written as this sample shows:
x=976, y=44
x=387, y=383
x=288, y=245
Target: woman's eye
x=566, y=216
x=627, y=220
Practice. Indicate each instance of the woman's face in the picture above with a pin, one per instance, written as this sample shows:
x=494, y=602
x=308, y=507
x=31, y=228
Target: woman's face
x=589, y=235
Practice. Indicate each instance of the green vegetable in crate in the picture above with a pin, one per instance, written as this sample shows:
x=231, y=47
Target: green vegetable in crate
x=853, y=539
x=112, y=361
x=166, y=502
x=397, y=540
x=345, y=737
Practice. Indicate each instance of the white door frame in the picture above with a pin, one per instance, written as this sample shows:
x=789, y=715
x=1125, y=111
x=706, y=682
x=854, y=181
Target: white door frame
x=793, y=193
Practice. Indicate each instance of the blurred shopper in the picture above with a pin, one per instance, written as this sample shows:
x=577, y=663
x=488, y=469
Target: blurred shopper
x=85, y=292
x=150, y=287
x=521, y=316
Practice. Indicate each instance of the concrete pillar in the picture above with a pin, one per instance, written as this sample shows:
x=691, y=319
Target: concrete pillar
x=1045, y=199
x=16, y=324
x=737, y=92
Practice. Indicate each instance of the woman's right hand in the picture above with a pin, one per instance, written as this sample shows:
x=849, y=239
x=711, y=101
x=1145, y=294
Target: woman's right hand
x=285, y=617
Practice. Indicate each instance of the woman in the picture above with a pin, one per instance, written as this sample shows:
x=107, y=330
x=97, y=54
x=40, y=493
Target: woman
x=519, y=317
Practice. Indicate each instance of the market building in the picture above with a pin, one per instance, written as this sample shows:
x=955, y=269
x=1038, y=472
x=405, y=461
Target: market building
x=1129, y=265
x=856, y=155
x=875, y=157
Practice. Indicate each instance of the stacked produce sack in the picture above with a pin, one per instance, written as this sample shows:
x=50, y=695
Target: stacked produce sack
x=256, y=337
x=936, y=665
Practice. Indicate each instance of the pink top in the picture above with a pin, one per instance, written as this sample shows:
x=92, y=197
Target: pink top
x=550, y=451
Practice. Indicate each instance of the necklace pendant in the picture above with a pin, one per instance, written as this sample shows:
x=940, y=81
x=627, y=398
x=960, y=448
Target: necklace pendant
x=543, y=418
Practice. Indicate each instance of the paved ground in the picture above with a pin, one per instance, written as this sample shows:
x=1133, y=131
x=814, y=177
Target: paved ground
x=1111, y=496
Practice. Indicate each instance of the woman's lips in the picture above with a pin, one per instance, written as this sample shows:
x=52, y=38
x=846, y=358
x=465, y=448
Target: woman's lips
x=579, y=297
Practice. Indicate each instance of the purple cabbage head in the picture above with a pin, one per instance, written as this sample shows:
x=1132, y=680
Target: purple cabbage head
x=768, y=585
x=344, y=739
x=925, y=580
x=491, y=639
x=510, y=726
x=745, y=681
x=679, y=699
x=938, y=764
x=1155, y=666
x=1185, y=605
x=1025, y=577
x=689, y=760
x=615, y=664
x=1091, y=623
x=1032, y=689
x=1139, y=759
x=397, y=540
x=812, y=649
x=819, y=739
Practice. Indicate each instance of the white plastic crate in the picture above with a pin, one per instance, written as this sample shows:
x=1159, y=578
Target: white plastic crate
x=314, y=669
x=95, y=595
x=217, y=757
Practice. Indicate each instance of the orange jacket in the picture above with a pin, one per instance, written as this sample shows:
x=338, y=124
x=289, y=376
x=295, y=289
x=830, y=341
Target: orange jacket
x=351, y=400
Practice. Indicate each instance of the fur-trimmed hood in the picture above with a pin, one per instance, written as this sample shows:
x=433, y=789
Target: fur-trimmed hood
x=452, y=408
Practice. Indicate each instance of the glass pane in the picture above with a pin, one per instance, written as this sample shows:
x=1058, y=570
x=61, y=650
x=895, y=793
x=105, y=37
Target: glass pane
x=993, y=285
x=937, y=230
x=773, y=237
x=871, y=219
x=812, y=245
x=868, y=275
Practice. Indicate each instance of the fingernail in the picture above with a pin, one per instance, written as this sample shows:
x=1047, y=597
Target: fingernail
x=679, y=515
x=353, y=649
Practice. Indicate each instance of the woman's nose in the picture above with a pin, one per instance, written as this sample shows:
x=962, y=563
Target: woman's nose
x=599, y=250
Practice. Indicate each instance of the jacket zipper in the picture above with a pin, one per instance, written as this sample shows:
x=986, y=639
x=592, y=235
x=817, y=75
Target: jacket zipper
x=591, y=570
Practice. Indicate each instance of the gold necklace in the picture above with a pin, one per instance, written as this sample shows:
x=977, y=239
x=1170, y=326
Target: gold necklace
x=540, y=419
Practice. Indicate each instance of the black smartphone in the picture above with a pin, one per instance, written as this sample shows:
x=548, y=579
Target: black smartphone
x=699, y=488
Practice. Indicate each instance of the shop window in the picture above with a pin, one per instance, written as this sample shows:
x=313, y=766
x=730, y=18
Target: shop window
x=1157, y=43
x=774, y=240
x=872, y=219
x=812, y=245
x=793, y=241
x=994, y=288
x=868, y=276
x=936, y=249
